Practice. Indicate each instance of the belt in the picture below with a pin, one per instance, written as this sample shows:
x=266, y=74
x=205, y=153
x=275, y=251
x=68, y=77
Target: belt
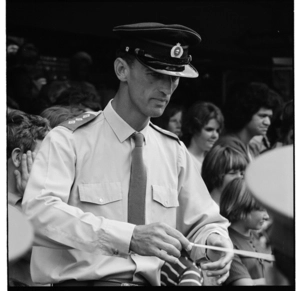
x=98, y=283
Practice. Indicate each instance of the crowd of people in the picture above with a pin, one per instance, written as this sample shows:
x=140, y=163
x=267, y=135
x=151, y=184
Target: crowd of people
x=69, y=169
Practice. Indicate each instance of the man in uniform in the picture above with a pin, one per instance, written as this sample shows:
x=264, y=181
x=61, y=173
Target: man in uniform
x=78, y=196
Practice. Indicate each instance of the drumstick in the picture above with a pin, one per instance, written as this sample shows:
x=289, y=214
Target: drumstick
x=267, y=257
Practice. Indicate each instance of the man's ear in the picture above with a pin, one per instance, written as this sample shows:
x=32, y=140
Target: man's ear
x=121, y=69
x=16, y=157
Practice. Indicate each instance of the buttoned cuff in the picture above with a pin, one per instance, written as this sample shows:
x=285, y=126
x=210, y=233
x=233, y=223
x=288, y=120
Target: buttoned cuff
x=119, y=234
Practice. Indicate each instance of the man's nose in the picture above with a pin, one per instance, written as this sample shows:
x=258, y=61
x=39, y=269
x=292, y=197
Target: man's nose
x=267, y=121
x=168, y=85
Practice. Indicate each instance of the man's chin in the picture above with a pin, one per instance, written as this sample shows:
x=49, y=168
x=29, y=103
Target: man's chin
x=157, y=112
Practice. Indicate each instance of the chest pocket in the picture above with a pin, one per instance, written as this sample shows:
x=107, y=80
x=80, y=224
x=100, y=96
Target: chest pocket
x=102, y=199
x=165, y=203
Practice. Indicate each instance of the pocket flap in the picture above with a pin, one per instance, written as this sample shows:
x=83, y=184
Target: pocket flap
x=165, y=196
x=100, y=193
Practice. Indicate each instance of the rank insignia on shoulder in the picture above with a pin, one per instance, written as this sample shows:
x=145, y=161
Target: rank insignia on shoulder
x=165, y=132
x=80, y=120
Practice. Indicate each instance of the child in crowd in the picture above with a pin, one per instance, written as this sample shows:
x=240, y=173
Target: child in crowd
x=25, y=133
x=246, y=217
x=221, y=165
x=171, y=119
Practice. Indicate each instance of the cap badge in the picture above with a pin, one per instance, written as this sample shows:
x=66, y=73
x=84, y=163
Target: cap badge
x=177, y=51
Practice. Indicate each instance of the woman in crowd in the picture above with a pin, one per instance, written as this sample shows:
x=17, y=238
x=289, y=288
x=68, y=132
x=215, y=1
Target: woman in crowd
x=246, y=217
x=201, y=128
x=220, y=166
x=171, y=119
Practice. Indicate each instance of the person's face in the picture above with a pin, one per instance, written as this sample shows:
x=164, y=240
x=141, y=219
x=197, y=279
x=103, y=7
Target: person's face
x=228, y=177
x=209, y=134
x=149, y=91
x=174, y=124
x=260, y=122
x=256, y=219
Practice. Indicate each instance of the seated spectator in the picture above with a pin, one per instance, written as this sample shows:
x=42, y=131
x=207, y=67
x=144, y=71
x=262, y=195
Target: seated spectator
x=24, y=136
x=248, y=112
x=75, y=97
x=220, y=166
x=246, y=217
x=58, y=114
x=201, y=128
x=171, y=119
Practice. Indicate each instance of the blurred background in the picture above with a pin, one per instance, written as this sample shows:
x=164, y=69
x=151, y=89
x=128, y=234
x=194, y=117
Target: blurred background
x=241, y=40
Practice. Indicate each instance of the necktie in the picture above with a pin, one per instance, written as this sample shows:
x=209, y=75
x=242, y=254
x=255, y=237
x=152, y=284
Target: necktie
x=138, y=181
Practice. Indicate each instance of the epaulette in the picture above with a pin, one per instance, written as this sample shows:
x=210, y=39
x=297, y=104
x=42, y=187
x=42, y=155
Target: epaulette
x=80, y=120
x=165, y=132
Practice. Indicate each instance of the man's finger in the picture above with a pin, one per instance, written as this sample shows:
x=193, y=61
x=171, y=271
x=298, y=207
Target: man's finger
x=24, y=163
x=33, y=154
x=185, y=243
x=18, y=178
x=170, y=249
x=165, y=257
x=223, y=278
x=29, y=161
x=220, y=264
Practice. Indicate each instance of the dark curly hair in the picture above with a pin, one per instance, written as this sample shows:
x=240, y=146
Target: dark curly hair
x=244, y=100
x=23, y=130
x=197, y=116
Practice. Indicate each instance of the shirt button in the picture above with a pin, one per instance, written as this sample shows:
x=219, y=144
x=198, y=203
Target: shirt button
x=101, y=200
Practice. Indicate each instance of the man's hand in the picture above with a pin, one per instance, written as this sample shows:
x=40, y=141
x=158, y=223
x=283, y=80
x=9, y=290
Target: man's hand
x=23, y=175
x=220, y=261
x=160, y=240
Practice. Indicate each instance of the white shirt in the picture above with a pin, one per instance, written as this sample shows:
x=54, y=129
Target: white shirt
x=76, y=198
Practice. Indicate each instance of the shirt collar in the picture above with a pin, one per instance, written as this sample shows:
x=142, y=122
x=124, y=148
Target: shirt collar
x=13, y=199
x=119, y=126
